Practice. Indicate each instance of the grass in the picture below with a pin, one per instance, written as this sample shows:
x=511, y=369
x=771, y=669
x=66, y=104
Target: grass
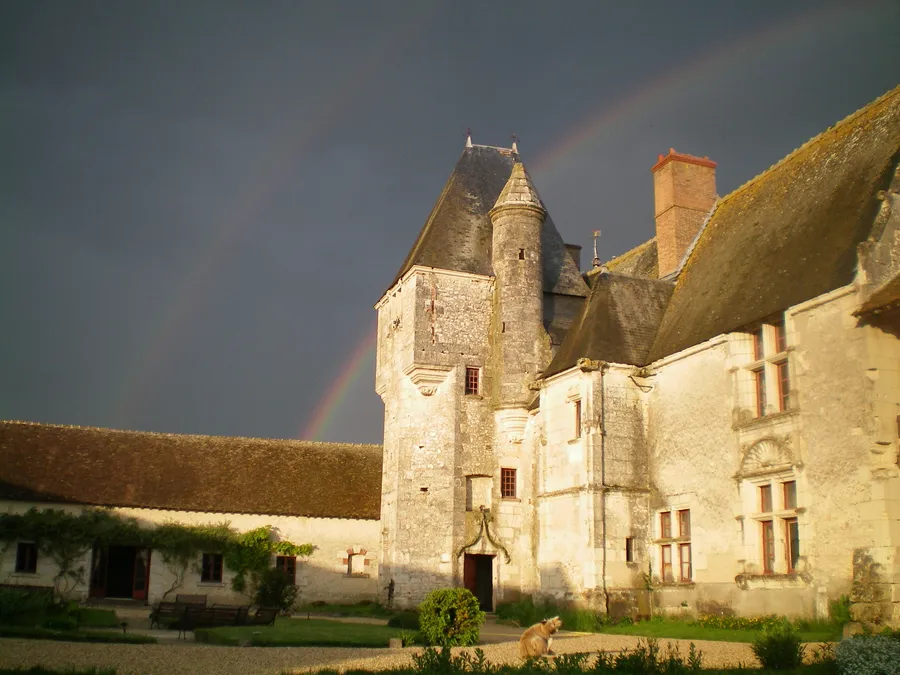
x=301, y=632
x=682, y=630
x=90, y=617
x=40, y=670
x=33, y=633
x=370, y=609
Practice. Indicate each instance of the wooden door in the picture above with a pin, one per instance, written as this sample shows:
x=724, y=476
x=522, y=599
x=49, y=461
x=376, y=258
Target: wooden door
x=98, y=572
x=470, y=579
x=141, y=574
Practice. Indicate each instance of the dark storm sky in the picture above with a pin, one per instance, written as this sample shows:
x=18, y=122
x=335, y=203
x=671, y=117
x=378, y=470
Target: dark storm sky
x=201, y=201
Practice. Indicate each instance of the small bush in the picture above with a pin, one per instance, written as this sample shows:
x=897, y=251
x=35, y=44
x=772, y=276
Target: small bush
x=840, y=610
x=868, y=655
x=16, y=604
x=407, y=620
x=778, y=647
x=275, y=589
x=451, y=617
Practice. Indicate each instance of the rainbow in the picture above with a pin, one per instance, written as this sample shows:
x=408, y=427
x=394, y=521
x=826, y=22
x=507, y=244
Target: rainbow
x=603, y=120
x=362, y=357
x=196, y=282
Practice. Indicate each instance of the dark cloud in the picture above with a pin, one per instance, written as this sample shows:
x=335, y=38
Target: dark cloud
x=202, y=201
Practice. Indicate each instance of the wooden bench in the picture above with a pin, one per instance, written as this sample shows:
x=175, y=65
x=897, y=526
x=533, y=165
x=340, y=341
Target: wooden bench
x=264, y=616
x=195, y=616
x=188, y=599
x=174, y=611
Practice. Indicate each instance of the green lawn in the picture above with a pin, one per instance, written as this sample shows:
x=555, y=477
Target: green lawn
x=38, y=633
x=91, y=617
x=360, y=609
x=679, y=630
x=301, y=632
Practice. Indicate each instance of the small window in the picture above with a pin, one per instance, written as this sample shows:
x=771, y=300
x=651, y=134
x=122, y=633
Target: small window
x=26, y=558
x=792, y=542
x=765, y=498
x=768, y=546
x=473, y=380
x=356, y=564
x=287, y=565
x=684, y=559
x=789, y=489
x=784, y=386
x=684, y=523
x=211, y=569
x=521, y=254
x=508, y=483
x=759, y=385
x=629, y=549
x=667, y=563
x=577, y=421
x=665, y=525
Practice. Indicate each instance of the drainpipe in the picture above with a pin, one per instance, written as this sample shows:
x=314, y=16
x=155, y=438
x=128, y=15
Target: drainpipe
x=603, y=367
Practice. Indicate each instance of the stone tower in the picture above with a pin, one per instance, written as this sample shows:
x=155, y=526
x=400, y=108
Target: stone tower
x=462, y=333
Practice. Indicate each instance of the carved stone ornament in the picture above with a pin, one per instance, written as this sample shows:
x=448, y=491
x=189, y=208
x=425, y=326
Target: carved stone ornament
x=766, y=456
x=511, y=423
x=484, y=530
x=427, y=377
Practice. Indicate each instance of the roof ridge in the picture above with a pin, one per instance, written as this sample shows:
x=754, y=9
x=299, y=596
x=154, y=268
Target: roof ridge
x=494, y=147
x=622, y=256
x=138, y=432
x=812, y=141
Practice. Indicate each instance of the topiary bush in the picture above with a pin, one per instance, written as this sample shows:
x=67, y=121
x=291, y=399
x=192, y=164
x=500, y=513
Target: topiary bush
x=407, y=620
x=778, y=647
x=868, y=655
x=450, y=617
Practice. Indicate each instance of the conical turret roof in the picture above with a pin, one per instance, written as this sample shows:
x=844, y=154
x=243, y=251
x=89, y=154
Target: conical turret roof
x=519, y=190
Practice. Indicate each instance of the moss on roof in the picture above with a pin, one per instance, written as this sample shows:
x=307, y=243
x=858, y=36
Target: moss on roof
x=788, y=235
x=107, y=467
x=641, y=261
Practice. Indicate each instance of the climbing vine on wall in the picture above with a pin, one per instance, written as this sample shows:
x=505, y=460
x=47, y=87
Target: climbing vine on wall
x=67, y=537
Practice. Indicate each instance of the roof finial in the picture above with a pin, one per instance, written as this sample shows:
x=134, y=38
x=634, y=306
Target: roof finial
x=596, y=257
x=515, y=140
x=468, y=138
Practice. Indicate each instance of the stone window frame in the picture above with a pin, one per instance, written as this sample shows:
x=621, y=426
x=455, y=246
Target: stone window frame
x=355, y=562
x=472, y=381
x=771, y=545
x=288, y=565
x=764, y=380
x=26, y=557
x=212, y=568
x=509, y=478
x=674, y=545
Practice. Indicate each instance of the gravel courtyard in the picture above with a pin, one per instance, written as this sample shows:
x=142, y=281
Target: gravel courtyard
x=191, y=658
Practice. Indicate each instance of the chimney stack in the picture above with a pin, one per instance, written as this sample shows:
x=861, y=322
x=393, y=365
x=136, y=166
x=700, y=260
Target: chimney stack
x=684, y=191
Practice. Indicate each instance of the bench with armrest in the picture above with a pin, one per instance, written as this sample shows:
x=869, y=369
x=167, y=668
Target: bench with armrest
x=172, y=611
x=264, y=616
x=189, y=599
x=210, y=617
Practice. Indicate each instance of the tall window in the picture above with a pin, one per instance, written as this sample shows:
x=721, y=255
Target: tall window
x=629, y=549
x=287, y=565
x=508, y=483
x=577, y=420
x=26, y=558
x=665, y=525
x=769, y=372
x=778, y=522
x=211, y=567
x=684, y=548
x=473, y=380
x=666, y=557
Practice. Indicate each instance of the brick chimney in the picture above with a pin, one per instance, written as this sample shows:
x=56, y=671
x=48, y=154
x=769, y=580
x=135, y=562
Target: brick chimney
x=684, y=190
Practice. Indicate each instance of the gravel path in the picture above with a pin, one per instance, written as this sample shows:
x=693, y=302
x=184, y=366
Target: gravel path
x=190, y=659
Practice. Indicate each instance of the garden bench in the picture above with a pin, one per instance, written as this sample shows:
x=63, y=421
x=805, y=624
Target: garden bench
x=264, y=616
x=188, y=599
x=169, y=611
x=210, y=617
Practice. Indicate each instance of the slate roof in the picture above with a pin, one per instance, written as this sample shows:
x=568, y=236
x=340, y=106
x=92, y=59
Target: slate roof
x=617, y=324
x=788, y=235
x=106, y=467
x=641, y=261
x=457, y=234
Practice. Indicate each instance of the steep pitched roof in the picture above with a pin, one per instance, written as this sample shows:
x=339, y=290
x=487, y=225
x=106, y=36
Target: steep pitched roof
x=106, y=467
x=617, y=323
x=641, y=261
x=788, y=235
x=458, y=233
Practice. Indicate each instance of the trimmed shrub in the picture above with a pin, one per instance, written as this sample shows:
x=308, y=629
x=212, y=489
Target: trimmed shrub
x=868, y=655
x=451, y=617
x=275, y=589
x=406, y=620
x=778, y=647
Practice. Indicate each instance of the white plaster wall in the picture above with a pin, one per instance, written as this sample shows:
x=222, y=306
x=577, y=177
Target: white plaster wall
x=322, y=576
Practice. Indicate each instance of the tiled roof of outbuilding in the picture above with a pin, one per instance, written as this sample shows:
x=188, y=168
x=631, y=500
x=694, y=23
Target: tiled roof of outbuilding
x=107, y=467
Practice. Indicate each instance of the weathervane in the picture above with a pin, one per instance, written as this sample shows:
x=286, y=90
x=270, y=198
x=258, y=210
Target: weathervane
x=515, y=141
x=596, y=257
